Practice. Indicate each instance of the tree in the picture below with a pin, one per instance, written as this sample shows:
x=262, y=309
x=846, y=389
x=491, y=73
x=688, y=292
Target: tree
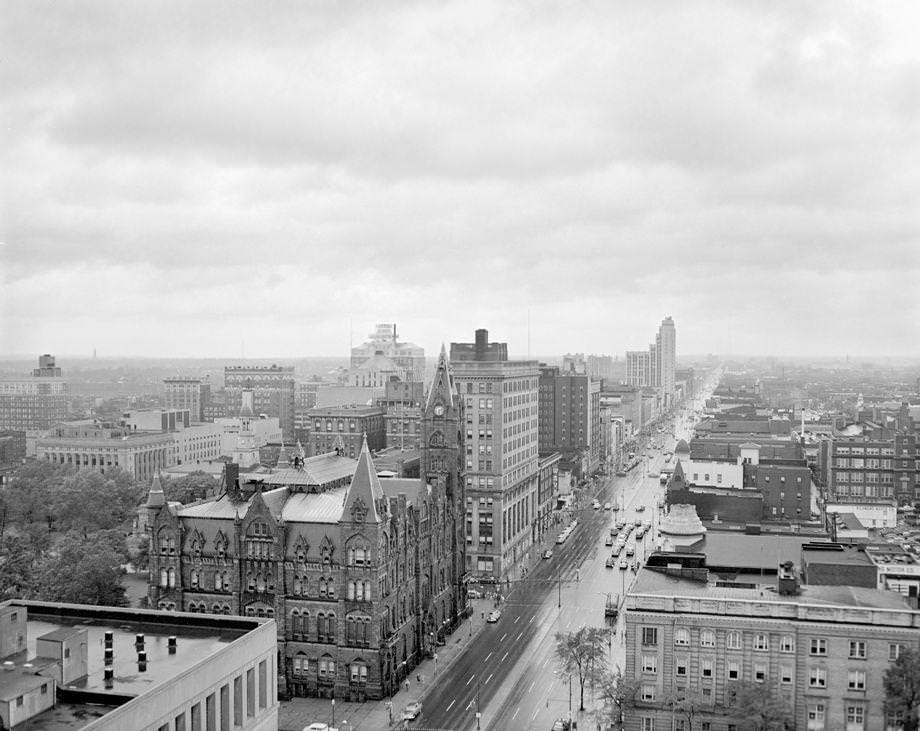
x=90, y=501
x=17, y=561
x=902, y=688
x=688, y=703
x=193, y=486
x=583, y=654
x=82, y=570
x=618, y=694
x=758, y=708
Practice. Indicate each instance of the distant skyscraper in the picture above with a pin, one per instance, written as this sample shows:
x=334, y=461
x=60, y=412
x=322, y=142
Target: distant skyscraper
x=502, y=453
x=383, y=341
x=34, y=402
x=666, y=360
x=656, y=366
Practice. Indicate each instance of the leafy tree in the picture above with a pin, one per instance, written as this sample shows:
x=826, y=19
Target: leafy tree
x=138, y=548
x=17, y=563
x=688, y=703
x=617, y=693
x=28, y=496
x=90, y=501
x=193, y=486
x=902, y=688
x=82, y=570
x=583, y=654
x=758, y=708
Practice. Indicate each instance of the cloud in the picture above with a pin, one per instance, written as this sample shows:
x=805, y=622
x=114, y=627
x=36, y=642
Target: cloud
x=212, y=168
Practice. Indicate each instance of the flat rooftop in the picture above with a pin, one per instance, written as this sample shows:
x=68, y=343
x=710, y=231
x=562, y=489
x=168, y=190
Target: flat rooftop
x=197, y=636
x=650, y=582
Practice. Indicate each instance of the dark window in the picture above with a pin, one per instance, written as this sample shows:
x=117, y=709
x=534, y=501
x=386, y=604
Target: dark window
x=225, y=708
x=238, y=700
x=263, y=688
x=251, y=692
x=210, y=713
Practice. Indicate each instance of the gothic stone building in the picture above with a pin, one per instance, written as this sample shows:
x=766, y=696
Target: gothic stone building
x=363, y=576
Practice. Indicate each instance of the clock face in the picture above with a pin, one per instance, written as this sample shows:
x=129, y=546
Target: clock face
x=439, y=410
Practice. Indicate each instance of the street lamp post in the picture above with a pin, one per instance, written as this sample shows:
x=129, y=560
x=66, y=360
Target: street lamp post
x=333, y=711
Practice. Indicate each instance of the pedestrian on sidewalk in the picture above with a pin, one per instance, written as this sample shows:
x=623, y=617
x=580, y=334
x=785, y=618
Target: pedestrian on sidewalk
x=407, y=685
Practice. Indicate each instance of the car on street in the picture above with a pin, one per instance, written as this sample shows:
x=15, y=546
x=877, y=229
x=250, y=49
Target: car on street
x=607, y=506
x=474, y=594
x=608, y=541
x=640, y=507
x=610, y=562
x=630, y=551
x=616, y=550
x=596, y=505
x=621, y=524
x=624, y=564
x=573, y=525
x=561, y=537
x=548, y=553
x=640, y=534
x=412, y=710
x=494, y=616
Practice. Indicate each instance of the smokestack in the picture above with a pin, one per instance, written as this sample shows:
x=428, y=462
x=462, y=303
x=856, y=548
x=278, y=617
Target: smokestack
x=482, y=342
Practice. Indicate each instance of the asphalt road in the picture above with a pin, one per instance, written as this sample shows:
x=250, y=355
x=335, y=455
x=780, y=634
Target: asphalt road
x=507, y=675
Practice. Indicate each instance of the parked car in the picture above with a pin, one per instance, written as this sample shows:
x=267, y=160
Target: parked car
x=596, y=505
x=412, y=710
x=610, y=562
x=608, y=541
x=548, y=553
x=494, y=616
x=624, y=564
x=640, y=508
x=630, y=551
x=607, y=506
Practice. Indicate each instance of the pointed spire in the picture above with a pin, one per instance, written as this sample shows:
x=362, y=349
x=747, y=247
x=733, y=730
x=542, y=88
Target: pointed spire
x=156, y=498
x=364, y=499
x=443, y=383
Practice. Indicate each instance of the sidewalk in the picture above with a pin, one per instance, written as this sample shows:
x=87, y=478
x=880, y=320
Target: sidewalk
x=297, y=713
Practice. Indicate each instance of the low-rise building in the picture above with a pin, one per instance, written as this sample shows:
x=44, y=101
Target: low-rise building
x=73, y=666
x=349, y=424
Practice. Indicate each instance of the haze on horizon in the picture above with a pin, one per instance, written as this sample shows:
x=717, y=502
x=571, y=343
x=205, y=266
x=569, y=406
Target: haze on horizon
x=178, y=180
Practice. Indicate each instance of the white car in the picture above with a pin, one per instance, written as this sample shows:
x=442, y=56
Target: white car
x=607, y=506
x=548, y=553
x=596, y=505
x=412, y=710
x=494, y=616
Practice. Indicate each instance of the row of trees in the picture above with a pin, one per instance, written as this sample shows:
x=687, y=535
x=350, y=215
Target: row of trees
x=582, y=655
x=66, y=534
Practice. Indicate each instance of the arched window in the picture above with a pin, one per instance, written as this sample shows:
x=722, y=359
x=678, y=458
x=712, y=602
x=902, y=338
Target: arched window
x=260, y=583
x=298, y=586
x=164, y=578
x=194, y=578
x=350, y=595
x=358, y=673
x=172, y=577
x=250, y=581
x=682, y=636
x=215, y=608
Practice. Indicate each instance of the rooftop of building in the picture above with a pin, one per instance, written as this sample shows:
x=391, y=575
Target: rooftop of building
x=291, y=507
x=198, y=638
x=739, y=551
x=347, y=410
x=834, y=553
x=659, y=583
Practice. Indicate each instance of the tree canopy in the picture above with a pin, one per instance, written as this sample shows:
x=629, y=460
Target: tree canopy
x=82, y=571
x=902, y=688
x=583, y=655
x=758, y=708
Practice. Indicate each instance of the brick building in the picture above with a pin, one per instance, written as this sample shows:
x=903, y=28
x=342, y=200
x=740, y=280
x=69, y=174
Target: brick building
x=188, y=393
x=35, y=402
x=273, y=392
x=570, y=418
x=363, y=576
x=349, y=425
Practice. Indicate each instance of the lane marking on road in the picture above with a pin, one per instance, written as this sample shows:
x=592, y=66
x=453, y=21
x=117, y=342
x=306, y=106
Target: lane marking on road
x=471, y=679
x=515, y=712
x=532, y=619
x=504, y=656
x=519, y=636
x=489, y=678
x=517, y=618
x=532, y=684
x=451, y=704
x=534, y=714
x=503, y=637
x=487, y=657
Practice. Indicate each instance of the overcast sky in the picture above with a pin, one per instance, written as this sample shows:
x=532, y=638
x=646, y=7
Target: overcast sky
x=181, y=180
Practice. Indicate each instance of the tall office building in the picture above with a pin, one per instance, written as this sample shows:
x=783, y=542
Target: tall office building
x=187, y=393
x=656, y=366
x=408, y=357
x=273, y=392
x=501, y=399
x=666, y=360
x=570, y=418
x=35, y=402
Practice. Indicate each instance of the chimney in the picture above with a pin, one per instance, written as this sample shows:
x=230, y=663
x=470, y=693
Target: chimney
x=482, y=342
x=787, y=579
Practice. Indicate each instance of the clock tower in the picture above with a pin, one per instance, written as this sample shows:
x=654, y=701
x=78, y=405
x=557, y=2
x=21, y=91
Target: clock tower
x=442, y=468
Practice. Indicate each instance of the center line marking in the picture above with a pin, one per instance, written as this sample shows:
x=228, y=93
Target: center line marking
x=519, y=636
x=533, y=683
x=451, y=704
x=471, y=679
x=532, y=618
x=517, y=618
x=503, y=657
x=503, y=637
x=487, y=657
x=489, y=678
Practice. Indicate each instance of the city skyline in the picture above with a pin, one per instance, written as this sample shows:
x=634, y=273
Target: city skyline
x=570, y=174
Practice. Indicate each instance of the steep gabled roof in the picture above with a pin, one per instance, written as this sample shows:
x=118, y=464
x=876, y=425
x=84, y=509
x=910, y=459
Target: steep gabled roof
x=155, y=496
x=364, y=499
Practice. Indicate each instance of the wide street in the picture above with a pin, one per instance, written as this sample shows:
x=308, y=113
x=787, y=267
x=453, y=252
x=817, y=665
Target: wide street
x=508, y=675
